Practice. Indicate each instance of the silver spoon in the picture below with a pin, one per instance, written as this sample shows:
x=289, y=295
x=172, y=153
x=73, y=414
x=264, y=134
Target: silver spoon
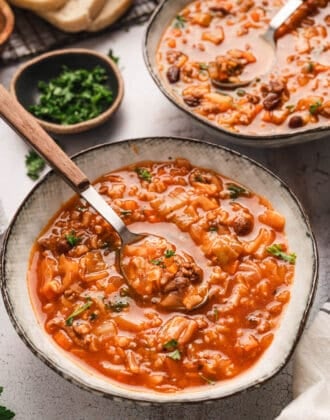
x=30, y=131
x=269, y=38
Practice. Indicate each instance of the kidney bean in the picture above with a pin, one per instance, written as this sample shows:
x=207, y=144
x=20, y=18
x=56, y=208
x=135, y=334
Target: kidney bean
x=191, y=100
x=296, y=121
x=271, y=101
x=173, y=74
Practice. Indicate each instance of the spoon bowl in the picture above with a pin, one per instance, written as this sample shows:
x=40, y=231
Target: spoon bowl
x=269, y=45
x=25, y=125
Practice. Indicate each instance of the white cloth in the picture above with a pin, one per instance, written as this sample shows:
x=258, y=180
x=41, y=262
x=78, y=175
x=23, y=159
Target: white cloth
x=311, y=372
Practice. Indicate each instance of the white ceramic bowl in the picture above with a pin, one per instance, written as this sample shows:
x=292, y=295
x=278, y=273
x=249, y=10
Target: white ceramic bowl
x=155, y=29
x=49, y=194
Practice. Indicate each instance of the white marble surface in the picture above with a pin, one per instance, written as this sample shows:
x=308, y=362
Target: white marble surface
x=35, y=392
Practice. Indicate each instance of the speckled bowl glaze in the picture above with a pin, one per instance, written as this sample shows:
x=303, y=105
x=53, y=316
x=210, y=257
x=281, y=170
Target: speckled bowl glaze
x=51, y=192
x=155, y=29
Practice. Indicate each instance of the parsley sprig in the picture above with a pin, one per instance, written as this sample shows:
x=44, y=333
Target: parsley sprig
x=172, y=345
x=72, y=239
x=313, y=108
x=277, y=251
x=179, y=22
x=73, y=96
x=144, y=174
x=78, y=311
x=236, y=191
x=34, y=165
x=5, y=413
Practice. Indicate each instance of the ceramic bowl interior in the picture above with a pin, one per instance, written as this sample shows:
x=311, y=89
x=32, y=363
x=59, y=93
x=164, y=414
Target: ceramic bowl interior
x=49, y=194
x=24, y=85
x=155, y=29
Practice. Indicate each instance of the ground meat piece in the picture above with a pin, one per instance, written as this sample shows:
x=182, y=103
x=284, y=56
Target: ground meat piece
x=188, y=273
x=325, y=109
x=81, y=327
x=56, y=245
x=242, y=224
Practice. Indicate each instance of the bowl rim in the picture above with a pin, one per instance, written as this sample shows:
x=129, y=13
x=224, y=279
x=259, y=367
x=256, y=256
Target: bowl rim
x=280, y=139
x=84, y=125
x=60, y=371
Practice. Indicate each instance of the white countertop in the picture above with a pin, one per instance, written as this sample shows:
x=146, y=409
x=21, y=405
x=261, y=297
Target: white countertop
x=31, y=389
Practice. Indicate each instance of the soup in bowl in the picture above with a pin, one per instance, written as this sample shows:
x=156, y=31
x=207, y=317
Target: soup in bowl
x=212, y=302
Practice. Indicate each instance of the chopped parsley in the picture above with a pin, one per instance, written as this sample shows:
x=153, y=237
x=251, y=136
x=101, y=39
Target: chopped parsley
x=290, y=107
x=236, y=190
x=174, y=355
x=208, y=380
x=5, y=413
x=74, y=96
x=277, y=251
x=169, y=253
x=144, y=174
x=240, y=92
x=199, y=178
x=113, y=57
x=126, y=212
x=72, y=239
x=203, y=66
x=78, y=311
x=34, y=165
x=158, y=261
x=213, y=229
x=313, y=108
x=179, y=22
x=172, y=344
x=117, y=306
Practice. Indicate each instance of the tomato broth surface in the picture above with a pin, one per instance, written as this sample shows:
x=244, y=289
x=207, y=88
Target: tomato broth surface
x=209, y=237
x=219, y=41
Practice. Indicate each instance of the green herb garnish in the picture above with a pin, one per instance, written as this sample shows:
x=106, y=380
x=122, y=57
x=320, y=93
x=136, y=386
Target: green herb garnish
x=78, y=311
x=276, y=250
x=169, y=253
x=34, y=165
x=175, y=355
x=117, y=306
x=208, y=380
x=179, y=22
x=5, y=413
x=199, y=178
x=73, y=96
x=72, y=239
x=158, y=261
x=240, y=92
x=236, y=191
x=113, y=57
x=213, y=229
x=290, y=107
x=144, y=174
x=172, y=344
x=203, y=66
x=314, y=107
x=126, y=212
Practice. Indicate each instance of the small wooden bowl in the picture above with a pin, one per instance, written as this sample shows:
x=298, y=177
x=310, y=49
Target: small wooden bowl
x=7, y=22
x=24, y=85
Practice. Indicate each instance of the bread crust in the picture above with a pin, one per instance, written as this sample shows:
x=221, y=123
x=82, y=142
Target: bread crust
x=112, y=10
x=39, y=5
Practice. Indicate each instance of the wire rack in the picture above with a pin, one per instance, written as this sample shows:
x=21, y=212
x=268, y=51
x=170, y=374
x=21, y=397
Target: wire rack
x=33, y=36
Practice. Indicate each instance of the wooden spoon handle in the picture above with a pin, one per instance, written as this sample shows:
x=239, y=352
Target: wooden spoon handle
x=28, y=128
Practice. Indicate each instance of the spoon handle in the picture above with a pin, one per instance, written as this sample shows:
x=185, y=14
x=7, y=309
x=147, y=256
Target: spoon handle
x=26, y=127
x=284, y=13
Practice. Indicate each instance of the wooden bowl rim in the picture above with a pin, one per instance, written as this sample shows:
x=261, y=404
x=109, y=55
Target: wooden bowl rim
x=85, y=125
